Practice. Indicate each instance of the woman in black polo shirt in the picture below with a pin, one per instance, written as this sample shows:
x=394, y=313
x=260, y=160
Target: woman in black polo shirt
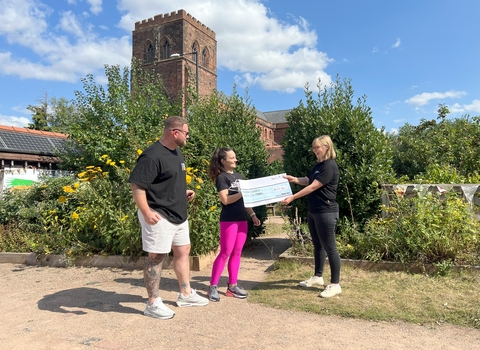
x=321, y=187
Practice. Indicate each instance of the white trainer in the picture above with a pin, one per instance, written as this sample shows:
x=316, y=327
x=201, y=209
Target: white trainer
x=192, y=300
x=313, y=281
x=331, y=290
x=158, y=310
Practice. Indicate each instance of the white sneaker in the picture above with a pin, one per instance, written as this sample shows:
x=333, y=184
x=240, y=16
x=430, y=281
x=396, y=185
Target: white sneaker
x=313, y=281
x=192, y=300
x=331, y=290
x=158, y=310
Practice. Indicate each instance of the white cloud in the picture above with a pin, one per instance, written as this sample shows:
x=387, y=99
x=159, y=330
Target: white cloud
x=473, y=107
x=64, y=54
x=95, y=6
x=261, y=49
x=397, y=44
x=425, y=97
x=14, y=121
x=375, y=50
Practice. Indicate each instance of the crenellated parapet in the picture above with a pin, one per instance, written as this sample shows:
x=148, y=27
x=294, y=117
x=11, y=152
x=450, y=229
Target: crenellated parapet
x=174, y=16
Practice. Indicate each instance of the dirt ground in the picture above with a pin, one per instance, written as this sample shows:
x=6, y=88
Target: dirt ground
x=92, y=308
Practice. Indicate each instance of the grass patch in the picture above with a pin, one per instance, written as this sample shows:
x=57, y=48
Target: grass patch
x=378, y=295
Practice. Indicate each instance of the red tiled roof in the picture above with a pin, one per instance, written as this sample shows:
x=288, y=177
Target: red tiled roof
x=33, y=132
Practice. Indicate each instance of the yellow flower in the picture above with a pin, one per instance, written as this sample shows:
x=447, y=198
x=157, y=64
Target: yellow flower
x=206, y=162
x=112, y=163
x=200, y=181
x=121, y=161
x=108, y=161
x=198, y=187
x=62, y=199
x=94, y=226
x=212, y=208
x=126, y=216
x=76, y=185
x=82, y=174
x=189, y=179
x=189, y=170
x=139, y=151
x=75, y=216
x=68, y=189
x=104, y=156
x=89, y=167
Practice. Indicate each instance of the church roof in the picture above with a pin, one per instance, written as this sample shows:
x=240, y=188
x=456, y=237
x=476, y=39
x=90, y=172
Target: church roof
x=274, y=117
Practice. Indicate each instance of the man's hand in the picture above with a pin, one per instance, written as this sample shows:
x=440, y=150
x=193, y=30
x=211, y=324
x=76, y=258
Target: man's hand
x=152, y=217
x=190, y=195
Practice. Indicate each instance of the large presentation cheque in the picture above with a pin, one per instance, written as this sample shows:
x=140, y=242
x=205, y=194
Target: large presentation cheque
x=264, y=190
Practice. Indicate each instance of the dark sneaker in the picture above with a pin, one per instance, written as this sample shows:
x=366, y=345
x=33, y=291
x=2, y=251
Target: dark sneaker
x=236, y=292
x=158, y=310
x=213, y=293
x=192, y=300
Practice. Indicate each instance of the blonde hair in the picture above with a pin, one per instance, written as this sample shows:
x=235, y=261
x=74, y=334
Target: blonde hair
x=326, y=141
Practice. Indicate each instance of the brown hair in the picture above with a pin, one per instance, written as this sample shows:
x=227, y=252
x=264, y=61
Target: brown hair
x=216, y=166
x=174, y=122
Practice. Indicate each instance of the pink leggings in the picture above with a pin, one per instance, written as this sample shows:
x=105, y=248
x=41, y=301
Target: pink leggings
x=233, y=235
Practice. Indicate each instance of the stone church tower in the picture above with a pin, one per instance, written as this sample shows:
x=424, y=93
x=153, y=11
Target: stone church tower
x=182, y=50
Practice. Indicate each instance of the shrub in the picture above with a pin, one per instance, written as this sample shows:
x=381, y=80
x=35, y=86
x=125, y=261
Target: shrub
x=427, y=230
x=364, y=156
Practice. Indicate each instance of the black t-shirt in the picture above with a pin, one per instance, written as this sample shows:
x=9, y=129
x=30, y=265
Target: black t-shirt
x=235, y=211
x=162, y=173
x=323, y=200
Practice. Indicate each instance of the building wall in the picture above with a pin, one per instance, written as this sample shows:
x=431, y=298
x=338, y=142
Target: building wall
x=182, y=31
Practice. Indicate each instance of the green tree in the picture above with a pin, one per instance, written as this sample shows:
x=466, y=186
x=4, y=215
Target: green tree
x=40, y=115
x=118, y=119
x=62, y=115
x=445, y=142
x=227, y=121
x=364, y=156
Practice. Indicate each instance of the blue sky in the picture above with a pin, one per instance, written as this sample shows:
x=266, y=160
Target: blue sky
x=405, y=56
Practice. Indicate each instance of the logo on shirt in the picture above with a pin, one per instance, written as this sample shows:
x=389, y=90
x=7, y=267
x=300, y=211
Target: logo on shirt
x=183, y=167
x=235, y=186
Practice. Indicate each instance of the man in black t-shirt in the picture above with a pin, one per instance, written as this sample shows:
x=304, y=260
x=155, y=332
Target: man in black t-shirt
x=159, y=188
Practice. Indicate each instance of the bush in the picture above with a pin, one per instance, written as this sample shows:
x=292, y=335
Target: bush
x=364, y=156
x=426, y=230
x=449, y=143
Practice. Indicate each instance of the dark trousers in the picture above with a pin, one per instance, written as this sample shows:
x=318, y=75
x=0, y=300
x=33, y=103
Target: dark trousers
x=322, y=227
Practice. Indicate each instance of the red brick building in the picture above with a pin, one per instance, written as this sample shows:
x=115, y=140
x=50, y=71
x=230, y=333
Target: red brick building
x=180, y=48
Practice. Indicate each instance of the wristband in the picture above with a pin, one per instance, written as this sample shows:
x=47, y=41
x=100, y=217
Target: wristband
x=252, y=214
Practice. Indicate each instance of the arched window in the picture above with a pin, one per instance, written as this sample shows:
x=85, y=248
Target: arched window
x=204, y=57
x=166, y=50
x=149, y=55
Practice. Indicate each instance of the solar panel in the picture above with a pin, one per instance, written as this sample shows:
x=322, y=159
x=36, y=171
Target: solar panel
x=27, y=143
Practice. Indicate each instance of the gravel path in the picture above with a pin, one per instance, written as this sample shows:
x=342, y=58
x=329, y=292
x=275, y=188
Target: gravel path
x=92, y=308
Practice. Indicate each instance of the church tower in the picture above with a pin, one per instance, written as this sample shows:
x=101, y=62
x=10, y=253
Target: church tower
x=182, y=50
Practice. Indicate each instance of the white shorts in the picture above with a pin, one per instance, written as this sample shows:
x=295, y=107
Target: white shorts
x=160, y=238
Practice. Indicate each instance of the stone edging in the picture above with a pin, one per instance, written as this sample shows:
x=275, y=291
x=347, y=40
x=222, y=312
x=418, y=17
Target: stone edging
x=374, y=266
x=197, y=263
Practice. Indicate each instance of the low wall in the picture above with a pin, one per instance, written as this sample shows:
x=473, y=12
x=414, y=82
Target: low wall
x=197, y=263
